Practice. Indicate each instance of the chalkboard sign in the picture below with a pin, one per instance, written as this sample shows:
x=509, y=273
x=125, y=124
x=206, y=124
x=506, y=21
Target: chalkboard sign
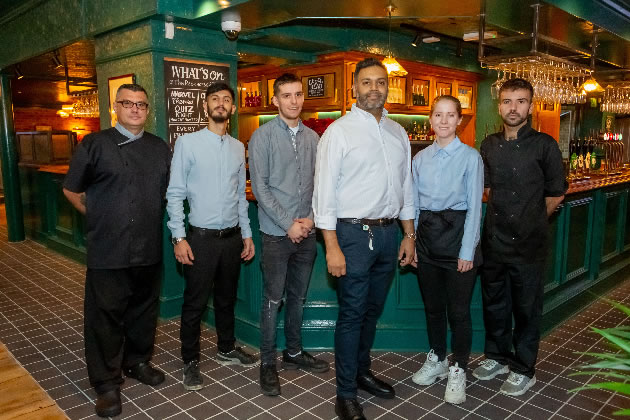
x=315, y=87
x=186, y=83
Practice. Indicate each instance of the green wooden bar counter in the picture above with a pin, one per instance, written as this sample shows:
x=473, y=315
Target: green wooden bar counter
x=589, y=246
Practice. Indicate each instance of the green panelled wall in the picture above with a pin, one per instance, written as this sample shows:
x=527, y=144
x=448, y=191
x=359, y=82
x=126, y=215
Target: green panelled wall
x=589, y=244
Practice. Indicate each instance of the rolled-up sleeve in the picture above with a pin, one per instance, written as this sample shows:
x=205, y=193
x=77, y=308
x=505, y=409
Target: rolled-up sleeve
x=327, y=171
x=415, y=172
x=176, y=191
x=474, y=194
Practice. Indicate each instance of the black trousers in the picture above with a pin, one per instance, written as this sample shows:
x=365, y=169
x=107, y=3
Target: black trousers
x=216, y=269
x=446, y=294
x=120, y=316
x=513, y=290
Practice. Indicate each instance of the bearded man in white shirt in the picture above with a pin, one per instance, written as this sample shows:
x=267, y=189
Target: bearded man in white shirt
x=362, y=184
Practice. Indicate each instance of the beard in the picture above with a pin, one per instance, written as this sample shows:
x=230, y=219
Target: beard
x=364, y=103
x=219, y=118
x=514, y=123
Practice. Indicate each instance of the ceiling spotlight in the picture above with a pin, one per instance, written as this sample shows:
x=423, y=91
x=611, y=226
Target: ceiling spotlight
x=18, y=72
x=416, y=40
x=56, y=60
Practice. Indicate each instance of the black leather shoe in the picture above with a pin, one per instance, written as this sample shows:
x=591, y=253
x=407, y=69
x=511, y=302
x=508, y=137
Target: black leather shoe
x=304, y=361
x=375, y=386
x=108, y=404
x=269, y=382
x=348, y=409
x=145, y=373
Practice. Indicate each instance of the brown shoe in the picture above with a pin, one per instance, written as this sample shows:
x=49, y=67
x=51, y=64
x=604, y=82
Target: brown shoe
x=108, y=403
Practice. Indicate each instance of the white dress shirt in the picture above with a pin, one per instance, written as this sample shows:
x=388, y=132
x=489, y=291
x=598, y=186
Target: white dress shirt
x=363, y=170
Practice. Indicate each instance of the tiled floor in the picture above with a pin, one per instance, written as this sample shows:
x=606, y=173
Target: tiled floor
x=41, y=298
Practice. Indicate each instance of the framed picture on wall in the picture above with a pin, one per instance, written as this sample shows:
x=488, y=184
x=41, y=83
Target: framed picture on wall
x=113, y=83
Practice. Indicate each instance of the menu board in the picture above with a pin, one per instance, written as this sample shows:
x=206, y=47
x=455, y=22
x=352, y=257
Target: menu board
x=315, y=87
x=186, y=82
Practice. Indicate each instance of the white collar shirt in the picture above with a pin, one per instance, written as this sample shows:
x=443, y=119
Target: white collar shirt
x=363, y=170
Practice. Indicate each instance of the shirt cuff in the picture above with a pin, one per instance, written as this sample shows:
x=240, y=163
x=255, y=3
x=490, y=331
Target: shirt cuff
x=178, y=233
x=407, y=213
x=466, y=253
x=246, y=232
x=326, y=222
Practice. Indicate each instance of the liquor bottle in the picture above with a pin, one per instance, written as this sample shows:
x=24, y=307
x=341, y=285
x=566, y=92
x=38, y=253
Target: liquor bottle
x=573, y=157
x=390, y=91
x=587, y=157
x=421, y=99
x=248, y=100
x=414, y=95
x=581, y=152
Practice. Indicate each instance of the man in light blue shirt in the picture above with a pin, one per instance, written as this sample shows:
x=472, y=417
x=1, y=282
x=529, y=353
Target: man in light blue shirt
x=208, y=169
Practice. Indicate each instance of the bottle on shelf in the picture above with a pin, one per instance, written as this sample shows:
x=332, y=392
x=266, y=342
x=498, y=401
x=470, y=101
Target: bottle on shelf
x=421, y=99
x=580, y=156
x=248, y=100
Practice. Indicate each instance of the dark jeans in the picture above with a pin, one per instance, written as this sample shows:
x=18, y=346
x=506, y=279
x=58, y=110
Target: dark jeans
x=216, y=269
x=513, y=289
x=446, y=294
x=286, y=267
x=120, y=316
x=361, y=294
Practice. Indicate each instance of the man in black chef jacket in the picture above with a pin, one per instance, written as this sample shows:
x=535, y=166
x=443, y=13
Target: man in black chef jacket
x=524, y=182
x=117, y=179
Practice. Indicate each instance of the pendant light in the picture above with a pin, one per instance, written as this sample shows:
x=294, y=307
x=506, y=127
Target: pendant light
x=591, y=85
x=393, y=67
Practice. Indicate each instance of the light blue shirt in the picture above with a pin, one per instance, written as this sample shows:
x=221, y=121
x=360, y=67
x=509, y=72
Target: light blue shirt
x=209, y=171
x=451, y=178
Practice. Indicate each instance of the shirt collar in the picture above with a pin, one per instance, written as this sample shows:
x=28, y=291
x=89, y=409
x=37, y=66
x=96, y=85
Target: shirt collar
x=450, y=148
x=130, y=136
x=285, y=126
x=215, y=136
x=365, y=114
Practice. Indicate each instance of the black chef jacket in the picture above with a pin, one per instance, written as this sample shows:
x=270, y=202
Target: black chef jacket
x=520, y=174
x=125, y=186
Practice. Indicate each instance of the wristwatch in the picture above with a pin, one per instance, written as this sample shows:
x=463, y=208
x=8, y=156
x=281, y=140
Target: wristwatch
x=410, y=236
x=175, y=241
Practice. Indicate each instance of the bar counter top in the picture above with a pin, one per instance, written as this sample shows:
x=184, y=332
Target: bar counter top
x=598, y=181
x=54, y=169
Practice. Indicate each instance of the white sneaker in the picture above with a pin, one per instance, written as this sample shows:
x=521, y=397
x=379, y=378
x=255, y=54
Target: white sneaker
x=456, y=387
x=517, y=384
x=488, y=369
x=431, y=371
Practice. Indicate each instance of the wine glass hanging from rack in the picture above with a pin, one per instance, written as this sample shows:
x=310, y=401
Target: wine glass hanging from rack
x=616, y=99
x=554, y=81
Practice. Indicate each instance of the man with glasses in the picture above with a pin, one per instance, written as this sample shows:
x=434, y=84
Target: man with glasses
x=208, y=170
x=117, y=179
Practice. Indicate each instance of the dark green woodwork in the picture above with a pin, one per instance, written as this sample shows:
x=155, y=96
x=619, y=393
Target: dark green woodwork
x=10, y=175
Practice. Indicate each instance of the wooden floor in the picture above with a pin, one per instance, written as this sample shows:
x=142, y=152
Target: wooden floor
x=21, y=397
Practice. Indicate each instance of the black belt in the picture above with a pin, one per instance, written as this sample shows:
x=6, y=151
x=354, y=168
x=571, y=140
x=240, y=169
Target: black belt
x=369, y=222
x=219, y=233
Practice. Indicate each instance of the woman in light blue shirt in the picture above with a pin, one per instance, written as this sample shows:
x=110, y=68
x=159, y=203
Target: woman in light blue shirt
x=448, y=187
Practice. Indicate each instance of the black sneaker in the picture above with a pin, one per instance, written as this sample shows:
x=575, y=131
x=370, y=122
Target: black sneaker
x=236, y=357
x=269, y=382
x=192, y=381
x=303, y=361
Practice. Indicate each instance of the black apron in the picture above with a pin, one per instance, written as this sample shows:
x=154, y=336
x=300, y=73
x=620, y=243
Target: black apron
x=439, y=238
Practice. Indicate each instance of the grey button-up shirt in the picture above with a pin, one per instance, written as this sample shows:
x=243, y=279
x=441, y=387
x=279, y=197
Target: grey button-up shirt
x=282, y=176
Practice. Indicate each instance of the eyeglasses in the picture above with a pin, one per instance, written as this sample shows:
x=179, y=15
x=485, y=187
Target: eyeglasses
x=128, y=104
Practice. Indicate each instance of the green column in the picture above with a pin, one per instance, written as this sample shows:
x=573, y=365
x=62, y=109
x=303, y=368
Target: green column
x=10, y=174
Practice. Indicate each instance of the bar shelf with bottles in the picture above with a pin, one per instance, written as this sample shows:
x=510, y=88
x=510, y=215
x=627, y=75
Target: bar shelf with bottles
x=600, y=154
x=408, y=102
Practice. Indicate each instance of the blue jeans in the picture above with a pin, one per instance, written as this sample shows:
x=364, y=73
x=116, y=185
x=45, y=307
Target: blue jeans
x=286, y=268
x=361, y=294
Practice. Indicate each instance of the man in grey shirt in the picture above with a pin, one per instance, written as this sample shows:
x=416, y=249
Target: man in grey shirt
x=282, y=166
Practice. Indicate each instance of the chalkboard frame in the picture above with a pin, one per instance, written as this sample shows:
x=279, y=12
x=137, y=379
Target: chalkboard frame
x=171, y=127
